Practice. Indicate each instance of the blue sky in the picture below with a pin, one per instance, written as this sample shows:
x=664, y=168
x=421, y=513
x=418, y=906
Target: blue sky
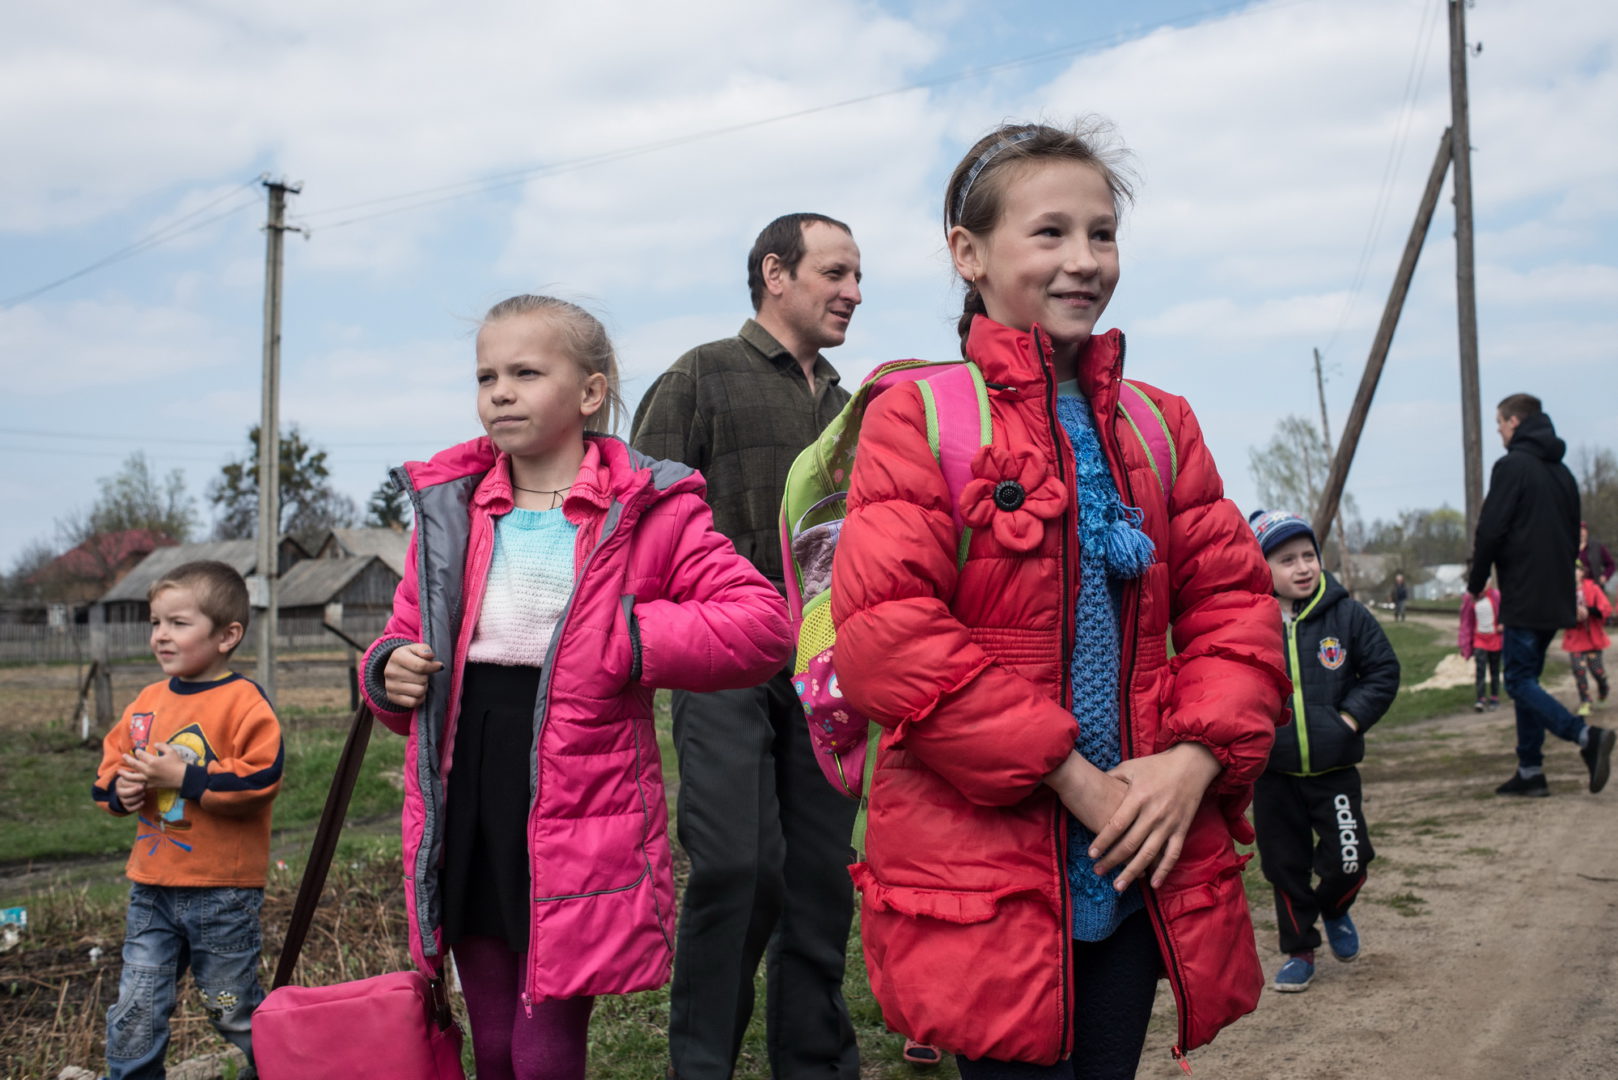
x=1266, y=136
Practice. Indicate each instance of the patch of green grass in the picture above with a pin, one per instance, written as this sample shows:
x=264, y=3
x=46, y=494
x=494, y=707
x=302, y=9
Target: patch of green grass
x=45, y=779
x=1407, y=904
x=1420, y=648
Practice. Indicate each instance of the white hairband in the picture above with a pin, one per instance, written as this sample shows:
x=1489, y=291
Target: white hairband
x=982, y=162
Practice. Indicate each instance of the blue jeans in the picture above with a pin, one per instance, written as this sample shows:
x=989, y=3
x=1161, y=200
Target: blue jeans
x=215, y=932
x=1537, y=711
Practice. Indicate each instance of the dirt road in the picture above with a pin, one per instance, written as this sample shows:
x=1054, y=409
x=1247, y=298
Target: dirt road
x=1489, y=929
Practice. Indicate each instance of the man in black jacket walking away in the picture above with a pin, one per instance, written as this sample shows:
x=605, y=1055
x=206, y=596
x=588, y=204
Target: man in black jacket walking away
x=1344, y=677
x=1528, y=530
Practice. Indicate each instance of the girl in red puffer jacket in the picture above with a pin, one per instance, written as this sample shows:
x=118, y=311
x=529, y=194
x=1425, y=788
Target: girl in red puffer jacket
x=1055, y=801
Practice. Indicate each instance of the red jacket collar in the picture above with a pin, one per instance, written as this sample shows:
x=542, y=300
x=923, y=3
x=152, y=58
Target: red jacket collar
x=1009, y=357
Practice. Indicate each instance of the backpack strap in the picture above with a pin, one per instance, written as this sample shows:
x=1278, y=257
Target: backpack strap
x=956, y=403
x=1146, y=420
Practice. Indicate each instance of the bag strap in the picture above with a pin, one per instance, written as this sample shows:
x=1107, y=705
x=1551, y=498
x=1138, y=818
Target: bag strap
x=959, y=424
x=325, y=845
x=1153, y=432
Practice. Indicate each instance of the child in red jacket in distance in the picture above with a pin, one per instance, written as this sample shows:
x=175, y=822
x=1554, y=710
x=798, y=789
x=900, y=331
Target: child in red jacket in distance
x=1054, y=803
x=1585, y=640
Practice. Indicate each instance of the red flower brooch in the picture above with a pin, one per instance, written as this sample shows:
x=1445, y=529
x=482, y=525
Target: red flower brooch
x=1011, y=493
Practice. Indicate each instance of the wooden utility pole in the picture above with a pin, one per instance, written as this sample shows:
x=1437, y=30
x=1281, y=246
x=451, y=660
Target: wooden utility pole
x=269, y=438
x=1332, y=496
x=1343, y=568
x=1466, y=305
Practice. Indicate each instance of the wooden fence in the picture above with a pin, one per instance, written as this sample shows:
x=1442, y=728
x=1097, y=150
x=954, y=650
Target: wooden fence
x=40, y=644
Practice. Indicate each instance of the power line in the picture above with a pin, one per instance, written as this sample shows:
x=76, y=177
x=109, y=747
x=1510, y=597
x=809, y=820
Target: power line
x=421, y=198
x=152, y=239
x=1373, y=232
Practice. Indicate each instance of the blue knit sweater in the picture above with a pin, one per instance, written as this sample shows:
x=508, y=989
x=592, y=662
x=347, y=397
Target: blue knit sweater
x=1112, y=549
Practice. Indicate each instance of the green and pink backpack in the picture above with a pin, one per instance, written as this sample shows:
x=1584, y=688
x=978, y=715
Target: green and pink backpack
x=956, y=402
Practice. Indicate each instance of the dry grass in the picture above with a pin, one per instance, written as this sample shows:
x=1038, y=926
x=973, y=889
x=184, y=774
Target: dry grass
x=55, y=997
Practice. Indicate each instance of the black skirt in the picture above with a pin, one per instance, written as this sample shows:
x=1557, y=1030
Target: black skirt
x=485, y=879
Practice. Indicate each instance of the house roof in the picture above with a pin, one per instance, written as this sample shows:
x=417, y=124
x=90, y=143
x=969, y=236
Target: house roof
x=314, y=582
x=386, y=544
x=94, y=556
x=241, y=555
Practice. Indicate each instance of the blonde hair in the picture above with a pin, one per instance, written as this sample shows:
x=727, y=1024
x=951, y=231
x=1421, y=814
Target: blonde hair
x=584, y=338
x=974, y=197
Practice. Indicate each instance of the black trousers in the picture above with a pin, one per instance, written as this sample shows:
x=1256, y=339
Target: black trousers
x=768, y=839
x=1487, y=663
x=1114, y=984
x=1289, y=812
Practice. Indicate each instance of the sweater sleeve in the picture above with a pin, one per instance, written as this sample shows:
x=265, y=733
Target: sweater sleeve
x=902, y=657
x=1376, y=671
x=718, y=624
x=403, y=628
x=1229, y=677
x=249, y=775
x=117, y=743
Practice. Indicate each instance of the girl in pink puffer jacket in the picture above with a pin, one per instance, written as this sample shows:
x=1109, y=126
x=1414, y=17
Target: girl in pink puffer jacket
x=555, y=577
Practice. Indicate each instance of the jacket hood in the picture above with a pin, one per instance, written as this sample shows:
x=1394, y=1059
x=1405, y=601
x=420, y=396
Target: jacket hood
x=1327, y=595
x=611, y=469
x=1011, y=358
x=1537, y=435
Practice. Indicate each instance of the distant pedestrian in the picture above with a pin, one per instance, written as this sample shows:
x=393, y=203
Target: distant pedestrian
x=197, y=759
x=1584, y=641
x=1481, y=639
x=1528, y=532
x=1344, y=678
x=1594, y=557
x=1401, y=596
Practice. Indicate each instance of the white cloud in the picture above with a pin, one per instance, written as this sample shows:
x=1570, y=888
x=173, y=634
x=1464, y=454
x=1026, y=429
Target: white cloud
x=63, y=349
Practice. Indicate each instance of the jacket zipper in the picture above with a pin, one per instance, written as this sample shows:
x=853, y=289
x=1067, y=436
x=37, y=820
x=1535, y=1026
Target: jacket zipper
x=1300, y=719
x=546, y=674
x=1058, y=819
x=1127, y=730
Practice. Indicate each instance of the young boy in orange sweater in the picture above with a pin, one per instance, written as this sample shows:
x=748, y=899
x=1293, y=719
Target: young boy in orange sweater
x=197, y=758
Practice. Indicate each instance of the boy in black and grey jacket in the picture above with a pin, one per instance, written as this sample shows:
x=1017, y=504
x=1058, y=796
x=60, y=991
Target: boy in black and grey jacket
x=1344, y=677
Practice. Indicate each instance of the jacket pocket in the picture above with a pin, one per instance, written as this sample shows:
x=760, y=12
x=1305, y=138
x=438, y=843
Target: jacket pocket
x=977, y=972
x=1332, y=743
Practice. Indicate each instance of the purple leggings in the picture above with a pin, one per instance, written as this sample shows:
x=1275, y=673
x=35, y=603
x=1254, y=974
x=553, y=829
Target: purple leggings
x=508, y=1043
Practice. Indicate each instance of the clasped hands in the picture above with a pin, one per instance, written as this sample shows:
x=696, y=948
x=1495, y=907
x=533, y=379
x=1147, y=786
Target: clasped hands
x=156, y=766
x=1139, y=811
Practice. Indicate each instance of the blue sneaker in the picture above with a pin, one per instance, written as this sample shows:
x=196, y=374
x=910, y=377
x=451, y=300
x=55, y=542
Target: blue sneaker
x=1344, y=939
x=1296, y=973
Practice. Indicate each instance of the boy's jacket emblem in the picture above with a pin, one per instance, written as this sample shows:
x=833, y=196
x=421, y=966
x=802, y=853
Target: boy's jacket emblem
x=1332, y=653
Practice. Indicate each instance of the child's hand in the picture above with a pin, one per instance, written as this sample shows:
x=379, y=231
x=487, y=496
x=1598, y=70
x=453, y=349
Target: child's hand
x=1353, y=724
x=1088, y=793
x=405, y=676
x=158, y=765
x=130, y=789
x=1148, y=829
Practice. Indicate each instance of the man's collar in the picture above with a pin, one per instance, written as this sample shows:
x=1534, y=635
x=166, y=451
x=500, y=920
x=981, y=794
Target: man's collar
x=764, y=341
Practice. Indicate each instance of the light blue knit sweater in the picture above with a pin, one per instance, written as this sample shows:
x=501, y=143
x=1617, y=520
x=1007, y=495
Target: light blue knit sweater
x=1112, y=549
